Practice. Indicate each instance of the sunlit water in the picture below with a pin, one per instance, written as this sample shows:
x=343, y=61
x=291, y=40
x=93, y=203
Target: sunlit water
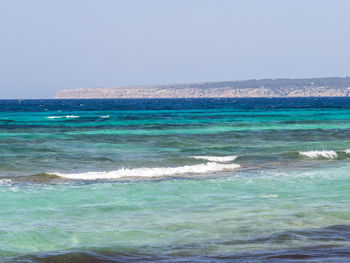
x=158, y=180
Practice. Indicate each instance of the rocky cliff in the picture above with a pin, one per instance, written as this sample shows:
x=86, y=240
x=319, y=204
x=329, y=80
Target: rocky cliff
x=315, y=87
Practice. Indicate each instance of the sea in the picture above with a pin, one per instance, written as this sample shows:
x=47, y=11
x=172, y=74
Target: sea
x=175, y=180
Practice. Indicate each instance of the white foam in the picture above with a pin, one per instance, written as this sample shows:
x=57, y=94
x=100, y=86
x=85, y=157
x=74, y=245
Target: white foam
x=347, y=151
x=317, y=154
x=5, y=182
x=209, y=167
x=59, y=117
x=220, y=159
x=106, y=116
x=54, y=117
x=269, y=196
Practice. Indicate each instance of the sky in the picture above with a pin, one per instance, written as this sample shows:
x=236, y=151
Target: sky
x=65, y=44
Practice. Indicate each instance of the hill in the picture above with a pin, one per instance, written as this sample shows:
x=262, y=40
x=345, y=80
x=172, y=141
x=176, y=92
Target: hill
x=310, y=87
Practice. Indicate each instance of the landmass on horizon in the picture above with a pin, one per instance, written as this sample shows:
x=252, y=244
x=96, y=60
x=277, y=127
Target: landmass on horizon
x=308, y=87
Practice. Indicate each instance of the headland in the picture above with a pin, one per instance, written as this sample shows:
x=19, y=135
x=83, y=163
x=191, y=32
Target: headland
x=308, y=87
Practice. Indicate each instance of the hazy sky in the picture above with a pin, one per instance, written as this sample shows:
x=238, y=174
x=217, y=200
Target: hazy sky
x=64, y=44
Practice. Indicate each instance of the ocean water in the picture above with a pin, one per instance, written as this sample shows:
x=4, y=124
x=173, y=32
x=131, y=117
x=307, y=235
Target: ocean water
x=179, y=180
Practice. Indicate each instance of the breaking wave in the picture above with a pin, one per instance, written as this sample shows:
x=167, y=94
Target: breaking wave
x=318, y=154
x=54, y=117
x=209, y=167
x=5, y=181
x=220, y=159
x=59, y=117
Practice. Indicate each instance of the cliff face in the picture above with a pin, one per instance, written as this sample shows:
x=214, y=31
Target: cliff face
x=320, y=87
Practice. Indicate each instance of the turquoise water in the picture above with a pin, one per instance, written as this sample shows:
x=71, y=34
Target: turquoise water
x=157, y=180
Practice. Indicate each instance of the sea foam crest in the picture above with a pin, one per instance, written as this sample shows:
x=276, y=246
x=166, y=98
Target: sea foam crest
x=220, y=159
x=317, y=154
x=59, y=117
x=152, y=172
x=54, y=117
x=5, y=182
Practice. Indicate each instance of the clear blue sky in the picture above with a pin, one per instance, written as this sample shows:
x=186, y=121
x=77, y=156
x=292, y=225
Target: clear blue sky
x=64, y=44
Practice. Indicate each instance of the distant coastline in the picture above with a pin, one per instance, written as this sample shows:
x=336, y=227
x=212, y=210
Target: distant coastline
x=308, y=87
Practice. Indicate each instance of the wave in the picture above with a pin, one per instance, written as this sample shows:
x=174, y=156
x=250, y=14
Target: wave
x=59, y=117
x=105, y=117
x=318, y=154
x=220, y=159
x=209, y=167
x=5, y=182
x=312, y=253
x=54, y=117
